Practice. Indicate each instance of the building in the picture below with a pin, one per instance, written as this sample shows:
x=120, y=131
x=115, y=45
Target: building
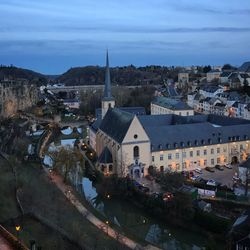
x=164, y=105
x=16, y=95
x=127, y=143
x=213, y=75
x=244, y=171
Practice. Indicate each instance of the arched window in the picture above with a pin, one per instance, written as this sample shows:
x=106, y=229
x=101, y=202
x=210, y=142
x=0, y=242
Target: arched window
x=136, y=151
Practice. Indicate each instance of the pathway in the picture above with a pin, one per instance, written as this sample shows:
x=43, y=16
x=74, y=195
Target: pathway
x=104, y=226
x=4, y=244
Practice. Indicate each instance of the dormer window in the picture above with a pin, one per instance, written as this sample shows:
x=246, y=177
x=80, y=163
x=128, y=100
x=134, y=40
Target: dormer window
x=175, y=145
x=195, y=142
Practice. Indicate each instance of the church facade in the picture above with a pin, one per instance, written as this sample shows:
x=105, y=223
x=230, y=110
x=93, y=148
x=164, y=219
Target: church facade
x=127, y=141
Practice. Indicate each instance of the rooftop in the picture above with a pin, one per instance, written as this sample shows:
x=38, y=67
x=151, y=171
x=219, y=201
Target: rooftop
x=171, y=103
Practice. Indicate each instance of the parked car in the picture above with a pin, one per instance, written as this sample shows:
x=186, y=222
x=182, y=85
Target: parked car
x=209, y=169
x=198, y=170
x=228, y=166
x=219, y=167
x=194, y=177
x=236, y=179
x=211, y=183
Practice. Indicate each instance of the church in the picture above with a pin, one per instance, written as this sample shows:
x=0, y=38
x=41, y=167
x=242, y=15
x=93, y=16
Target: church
x=127, y=141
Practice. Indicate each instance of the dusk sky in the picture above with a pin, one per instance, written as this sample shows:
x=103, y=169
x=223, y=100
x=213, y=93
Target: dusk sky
x=51, y=36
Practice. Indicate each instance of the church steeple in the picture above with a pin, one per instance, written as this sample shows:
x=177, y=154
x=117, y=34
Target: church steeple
x=107, y=100
x=107, y=89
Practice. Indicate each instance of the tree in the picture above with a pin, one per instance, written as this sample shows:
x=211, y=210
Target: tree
x=207, y=69
x=67, y=160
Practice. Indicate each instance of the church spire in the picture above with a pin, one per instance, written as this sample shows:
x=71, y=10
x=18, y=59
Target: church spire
x=107, y=89
x=107, y=101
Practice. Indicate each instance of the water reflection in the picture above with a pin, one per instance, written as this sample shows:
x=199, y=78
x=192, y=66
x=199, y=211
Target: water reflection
x=134, y=221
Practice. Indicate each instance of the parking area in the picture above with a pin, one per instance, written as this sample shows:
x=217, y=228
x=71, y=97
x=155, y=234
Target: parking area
x=224, y=177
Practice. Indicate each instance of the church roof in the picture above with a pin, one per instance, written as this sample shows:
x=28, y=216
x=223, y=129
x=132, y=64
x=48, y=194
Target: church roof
x=132, y=110
x=116, y=123
x=168, y=132
x=106, y=156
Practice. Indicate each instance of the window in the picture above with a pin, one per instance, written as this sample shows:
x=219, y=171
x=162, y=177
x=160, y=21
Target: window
x=205, y=152
x=184, y=154
x=191, y=153
x=241, y=146
x=212, y=151
x=161, y=168
x=136, y=151
x=187, y=113
x=135, y=136
x=179, y=113
x=153, y=158
x=178, y=166
x=224, y=150
x=110, y=168
x=161, y=157
x=205, y=162
x=177, y=155
x=212, y=161
x=218, y=160
x=198, y=152
x=169, y=156
x=218, y=150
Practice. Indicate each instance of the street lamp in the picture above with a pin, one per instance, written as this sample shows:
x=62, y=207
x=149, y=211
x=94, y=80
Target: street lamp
x=107, y=223
x=18, y=229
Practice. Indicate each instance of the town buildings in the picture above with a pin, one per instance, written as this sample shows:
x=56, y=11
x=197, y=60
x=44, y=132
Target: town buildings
x=127, y=143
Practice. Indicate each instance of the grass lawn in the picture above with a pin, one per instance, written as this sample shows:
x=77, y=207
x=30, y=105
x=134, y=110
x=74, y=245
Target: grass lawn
x=42, y=197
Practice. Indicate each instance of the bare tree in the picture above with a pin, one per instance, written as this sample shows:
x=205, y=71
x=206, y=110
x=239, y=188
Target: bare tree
x=67, y=160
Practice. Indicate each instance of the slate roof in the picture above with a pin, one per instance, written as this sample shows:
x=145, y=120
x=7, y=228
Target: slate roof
x=192, y=131
x=106, y=156
x=132, y=110
x=116, y=123
x=211, y=89
x=171, y=103
x=225, y=74
x=96, y=124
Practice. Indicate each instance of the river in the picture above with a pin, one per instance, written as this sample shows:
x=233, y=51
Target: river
x=134, y=221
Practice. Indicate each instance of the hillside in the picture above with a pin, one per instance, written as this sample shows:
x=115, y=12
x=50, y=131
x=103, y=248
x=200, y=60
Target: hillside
x=12, y=72
x=129, y=75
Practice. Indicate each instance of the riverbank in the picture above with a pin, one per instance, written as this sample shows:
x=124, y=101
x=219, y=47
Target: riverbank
x=39, y=196
x=214, y=229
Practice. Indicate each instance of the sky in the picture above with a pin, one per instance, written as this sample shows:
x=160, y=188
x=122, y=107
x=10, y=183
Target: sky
x=50, y=36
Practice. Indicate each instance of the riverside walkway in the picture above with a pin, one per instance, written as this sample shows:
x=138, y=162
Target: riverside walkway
x=103, y=226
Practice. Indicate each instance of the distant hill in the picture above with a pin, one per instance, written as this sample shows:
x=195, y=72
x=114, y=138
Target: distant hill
x=245, y=67
x=12, y=72
x=129, y=75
